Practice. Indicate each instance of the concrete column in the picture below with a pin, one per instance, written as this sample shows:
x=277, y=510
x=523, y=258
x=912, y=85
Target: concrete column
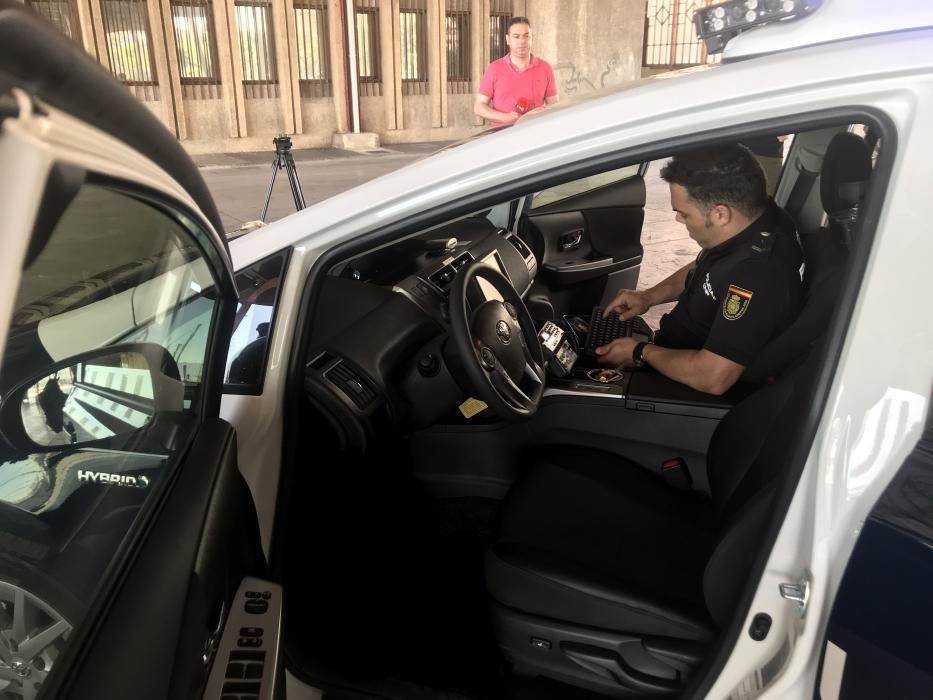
x=282, y=63
x=291, y=47
x=437, y=62
x=479, y=48
x=100, y=39
x=237, y=66
x=389, y=48
x=160, y=56
x=337, y=51
x=226, y=46
x=519, y=8
x=164, y=33
x=86, y=27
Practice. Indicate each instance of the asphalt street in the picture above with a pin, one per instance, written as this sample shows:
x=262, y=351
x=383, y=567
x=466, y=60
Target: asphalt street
x=239, y=183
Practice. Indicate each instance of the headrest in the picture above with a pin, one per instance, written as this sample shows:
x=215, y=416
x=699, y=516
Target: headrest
x=845, y=173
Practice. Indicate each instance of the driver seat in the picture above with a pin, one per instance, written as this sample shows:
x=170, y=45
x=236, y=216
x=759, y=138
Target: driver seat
x=604, y=577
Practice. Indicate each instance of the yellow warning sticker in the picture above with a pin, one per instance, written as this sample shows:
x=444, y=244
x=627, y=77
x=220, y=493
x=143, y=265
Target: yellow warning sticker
x=471, y=407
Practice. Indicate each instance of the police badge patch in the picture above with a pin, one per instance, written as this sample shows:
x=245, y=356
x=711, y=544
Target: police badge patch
x=735, y=303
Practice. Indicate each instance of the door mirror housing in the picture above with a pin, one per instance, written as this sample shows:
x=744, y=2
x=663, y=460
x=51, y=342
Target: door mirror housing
x=105, y=393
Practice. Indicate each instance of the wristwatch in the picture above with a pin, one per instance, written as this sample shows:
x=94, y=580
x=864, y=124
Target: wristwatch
x=638, y=355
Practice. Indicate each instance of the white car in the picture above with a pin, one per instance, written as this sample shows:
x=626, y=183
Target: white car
x=363, y=444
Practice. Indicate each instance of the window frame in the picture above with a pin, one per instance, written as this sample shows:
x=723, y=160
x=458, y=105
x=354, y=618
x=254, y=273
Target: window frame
x=212, y=52
x=147, y=31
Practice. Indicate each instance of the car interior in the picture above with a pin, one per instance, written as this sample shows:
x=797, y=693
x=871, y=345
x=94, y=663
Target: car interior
x=502, y=517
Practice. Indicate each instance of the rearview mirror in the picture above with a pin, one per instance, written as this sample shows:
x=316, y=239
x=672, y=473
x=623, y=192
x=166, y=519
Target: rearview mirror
x=105, y=393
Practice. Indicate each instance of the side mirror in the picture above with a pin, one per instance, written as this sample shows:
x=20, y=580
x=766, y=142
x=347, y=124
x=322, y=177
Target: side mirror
x=100, y=394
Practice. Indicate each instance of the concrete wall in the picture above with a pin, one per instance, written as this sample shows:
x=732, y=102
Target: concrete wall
x=592, y=44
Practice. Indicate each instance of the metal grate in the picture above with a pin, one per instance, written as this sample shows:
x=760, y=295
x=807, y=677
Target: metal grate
x=257, y=52
x=129, y=46
x=367, y=48
x=413, y=18
x=196, y=44
x=500, y=12
x=459, y=73
x=61, y=13
x=670, y=37
x=314, y=78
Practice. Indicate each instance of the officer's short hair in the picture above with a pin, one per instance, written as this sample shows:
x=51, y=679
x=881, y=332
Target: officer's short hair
x=720, y=175
x=518, y=20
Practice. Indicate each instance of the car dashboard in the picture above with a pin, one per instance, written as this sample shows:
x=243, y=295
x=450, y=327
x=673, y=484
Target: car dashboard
x=377, y=358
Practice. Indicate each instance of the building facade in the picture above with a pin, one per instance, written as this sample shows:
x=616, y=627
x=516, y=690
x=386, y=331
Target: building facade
x=228, y=75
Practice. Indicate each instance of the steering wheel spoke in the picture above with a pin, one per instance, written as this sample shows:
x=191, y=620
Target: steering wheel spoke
x=508, y=389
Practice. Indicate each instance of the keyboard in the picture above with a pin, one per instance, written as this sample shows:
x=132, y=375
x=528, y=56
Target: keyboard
x=605, y=329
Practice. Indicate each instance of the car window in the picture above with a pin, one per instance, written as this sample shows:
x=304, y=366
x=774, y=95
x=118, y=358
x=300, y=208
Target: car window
x=258, y=290
x=117, y=269
x=585, y=184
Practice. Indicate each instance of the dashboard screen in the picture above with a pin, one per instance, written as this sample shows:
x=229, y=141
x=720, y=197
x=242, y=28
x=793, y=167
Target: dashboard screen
x=489, y=292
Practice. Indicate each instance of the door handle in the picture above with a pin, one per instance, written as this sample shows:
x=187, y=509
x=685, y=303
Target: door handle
x=571, y=240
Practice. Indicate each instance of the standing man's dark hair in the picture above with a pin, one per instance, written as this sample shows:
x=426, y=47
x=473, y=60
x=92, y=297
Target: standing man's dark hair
x=518, y=20
x=720, y=175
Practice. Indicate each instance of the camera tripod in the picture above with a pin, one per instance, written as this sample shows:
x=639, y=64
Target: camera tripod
x=284, y=159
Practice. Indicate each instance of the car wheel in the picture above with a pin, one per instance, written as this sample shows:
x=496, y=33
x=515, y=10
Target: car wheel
x=33, y=631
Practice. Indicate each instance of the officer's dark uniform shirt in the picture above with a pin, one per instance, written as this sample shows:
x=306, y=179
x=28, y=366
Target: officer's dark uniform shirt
x=741, y=293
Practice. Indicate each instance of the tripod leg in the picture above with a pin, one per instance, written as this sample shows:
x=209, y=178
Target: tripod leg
x=265, y=207
x=292, y=171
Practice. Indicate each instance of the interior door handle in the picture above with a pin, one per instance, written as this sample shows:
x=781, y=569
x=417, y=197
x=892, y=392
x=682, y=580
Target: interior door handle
x=571, y=240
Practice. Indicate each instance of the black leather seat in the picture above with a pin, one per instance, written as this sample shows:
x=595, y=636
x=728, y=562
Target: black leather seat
x=605, y=577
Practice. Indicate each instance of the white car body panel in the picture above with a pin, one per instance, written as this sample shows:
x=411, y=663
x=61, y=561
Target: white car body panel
x=834, y=20
x=875, y=411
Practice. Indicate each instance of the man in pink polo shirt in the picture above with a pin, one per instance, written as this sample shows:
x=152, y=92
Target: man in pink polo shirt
x=517, y=83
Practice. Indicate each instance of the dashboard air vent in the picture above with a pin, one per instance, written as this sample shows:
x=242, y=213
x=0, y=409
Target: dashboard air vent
x=351, y=384
x=520, y=246
x=443, y=277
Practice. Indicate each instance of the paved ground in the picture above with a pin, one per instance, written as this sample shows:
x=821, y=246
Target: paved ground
x=239, y=182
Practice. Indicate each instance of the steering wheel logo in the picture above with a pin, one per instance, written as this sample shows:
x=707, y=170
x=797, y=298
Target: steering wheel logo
x=503, y=332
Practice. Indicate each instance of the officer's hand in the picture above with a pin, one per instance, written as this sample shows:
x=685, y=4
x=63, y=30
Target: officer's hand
x=628, y=303
x=618, y=353
x=512, y=117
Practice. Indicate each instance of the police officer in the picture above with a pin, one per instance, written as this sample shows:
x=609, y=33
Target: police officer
x=742, y=290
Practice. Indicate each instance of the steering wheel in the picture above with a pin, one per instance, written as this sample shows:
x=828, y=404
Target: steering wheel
x=497, y=344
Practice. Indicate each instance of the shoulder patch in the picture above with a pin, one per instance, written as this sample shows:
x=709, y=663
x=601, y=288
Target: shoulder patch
x=735, y=303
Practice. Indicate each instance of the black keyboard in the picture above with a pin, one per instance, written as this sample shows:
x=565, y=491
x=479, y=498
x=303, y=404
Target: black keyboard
x=605, y=329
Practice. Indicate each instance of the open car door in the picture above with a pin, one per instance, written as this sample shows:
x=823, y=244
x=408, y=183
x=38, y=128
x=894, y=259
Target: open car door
x=130, y=557
x=587, y=236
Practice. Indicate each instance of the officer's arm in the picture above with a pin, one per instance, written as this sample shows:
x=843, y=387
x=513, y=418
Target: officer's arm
x=482, y=108
x=699, y=369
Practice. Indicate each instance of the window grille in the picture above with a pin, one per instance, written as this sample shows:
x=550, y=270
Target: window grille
x=500, y=13
x=129, y=45
x=257, y=52
x=61, y=13
x=414, y=47
x=670, y=37
x=367, y=48
x=459, y=71
x=314, y=78
x=196, y=44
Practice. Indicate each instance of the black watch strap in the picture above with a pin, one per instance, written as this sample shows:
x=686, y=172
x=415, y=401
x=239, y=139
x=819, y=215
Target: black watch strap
x=638, y=354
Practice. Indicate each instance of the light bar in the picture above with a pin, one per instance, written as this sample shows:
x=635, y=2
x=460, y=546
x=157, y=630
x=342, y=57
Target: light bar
x=717, y=24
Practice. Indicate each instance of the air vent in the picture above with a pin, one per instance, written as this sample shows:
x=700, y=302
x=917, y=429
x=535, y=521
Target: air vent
x=351, y=384
x=520, y=246
x=321, y=361
x=443, y=277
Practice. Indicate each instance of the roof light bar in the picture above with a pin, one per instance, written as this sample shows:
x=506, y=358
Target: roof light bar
x=717, y=24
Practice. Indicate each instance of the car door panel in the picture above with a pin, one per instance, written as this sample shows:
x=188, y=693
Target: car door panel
x=588, y=244
x=177, y=592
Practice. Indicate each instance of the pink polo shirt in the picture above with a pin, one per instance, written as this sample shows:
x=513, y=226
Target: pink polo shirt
x=504, y=84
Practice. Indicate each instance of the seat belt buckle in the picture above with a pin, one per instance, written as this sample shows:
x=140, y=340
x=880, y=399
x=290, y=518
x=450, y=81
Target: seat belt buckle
x=676, y=474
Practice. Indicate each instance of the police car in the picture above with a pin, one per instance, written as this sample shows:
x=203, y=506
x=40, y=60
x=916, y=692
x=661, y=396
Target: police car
x=349, y=446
